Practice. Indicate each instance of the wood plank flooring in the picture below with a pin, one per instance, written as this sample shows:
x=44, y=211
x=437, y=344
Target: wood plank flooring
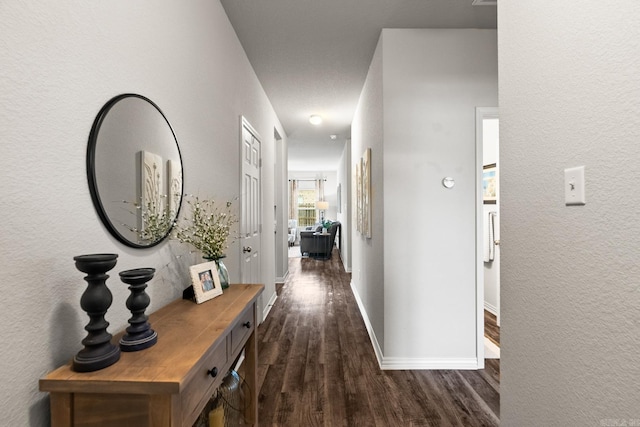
x=317, y=366
x=491, y=328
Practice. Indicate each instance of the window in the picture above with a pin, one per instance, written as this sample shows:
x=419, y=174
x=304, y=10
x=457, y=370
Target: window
x=306, y=207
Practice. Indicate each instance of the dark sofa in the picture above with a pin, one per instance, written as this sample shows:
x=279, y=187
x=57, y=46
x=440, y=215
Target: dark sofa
x=318, y=245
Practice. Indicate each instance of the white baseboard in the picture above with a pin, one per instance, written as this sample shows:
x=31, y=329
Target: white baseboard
x=267, y=308
x=491, y=351
x=402, y=363
x=281, y=280
x=240, y=360
x=367, y=323
x=491, y=308
x=346, y=269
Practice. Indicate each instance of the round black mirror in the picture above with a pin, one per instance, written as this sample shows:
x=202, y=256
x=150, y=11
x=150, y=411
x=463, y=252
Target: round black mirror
x=134, y=168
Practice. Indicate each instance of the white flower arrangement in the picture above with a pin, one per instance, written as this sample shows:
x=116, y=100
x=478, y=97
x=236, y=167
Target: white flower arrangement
x=157, y=223
x=154, y=221
x=208, y=228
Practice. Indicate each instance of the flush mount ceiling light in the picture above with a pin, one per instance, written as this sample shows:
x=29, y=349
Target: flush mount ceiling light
x=315, y=119
x=333, y=137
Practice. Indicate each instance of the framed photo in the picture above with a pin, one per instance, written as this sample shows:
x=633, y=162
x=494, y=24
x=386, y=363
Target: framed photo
x=205, y=281
x=490, y=184
x=359, y=195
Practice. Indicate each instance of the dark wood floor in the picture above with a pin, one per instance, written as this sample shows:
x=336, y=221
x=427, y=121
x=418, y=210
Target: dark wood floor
x=491, y=328
x=317, y=366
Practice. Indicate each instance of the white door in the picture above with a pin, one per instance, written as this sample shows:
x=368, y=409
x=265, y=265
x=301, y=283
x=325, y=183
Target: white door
x=250, y=221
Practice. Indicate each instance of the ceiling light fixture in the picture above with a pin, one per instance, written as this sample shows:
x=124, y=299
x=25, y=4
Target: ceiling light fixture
x=315, y=119
x=333, y=137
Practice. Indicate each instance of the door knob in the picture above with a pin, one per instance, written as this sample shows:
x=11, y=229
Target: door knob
x=246, y=249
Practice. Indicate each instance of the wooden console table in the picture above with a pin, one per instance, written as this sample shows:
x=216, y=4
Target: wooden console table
x=170, y=383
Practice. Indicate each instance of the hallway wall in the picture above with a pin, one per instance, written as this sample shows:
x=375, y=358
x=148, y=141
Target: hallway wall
x=344, y=216
x=419, y=267
x=60, y=63
x=281, y=203
x=367, y=256
x=570, y=96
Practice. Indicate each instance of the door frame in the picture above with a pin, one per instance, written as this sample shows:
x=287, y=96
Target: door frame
x=481, y=114
x=281, y=209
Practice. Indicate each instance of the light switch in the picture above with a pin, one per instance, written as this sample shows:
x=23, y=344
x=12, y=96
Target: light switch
x=574, y=186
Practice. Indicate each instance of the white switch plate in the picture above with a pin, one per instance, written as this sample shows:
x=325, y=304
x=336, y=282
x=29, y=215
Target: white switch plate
x=574, y=186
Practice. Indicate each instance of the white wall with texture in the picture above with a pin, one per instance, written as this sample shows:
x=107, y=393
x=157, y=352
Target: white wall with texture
x=60, y=63
x=416, y=275
x=570, y=96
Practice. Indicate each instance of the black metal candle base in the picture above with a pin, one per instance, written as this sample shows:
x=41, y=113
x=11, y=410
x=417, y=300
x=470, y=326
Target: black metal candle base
x=189, y=294
x=139, y=334
x=98, y=352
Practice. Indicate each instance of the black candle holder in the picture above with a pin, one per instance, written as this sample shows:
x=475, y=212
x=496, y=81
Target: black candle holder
x=139, y=334
x=98, y=352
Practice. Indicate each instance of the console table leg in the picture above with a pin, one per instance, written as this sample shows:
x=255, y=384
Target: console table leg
x=60, y=409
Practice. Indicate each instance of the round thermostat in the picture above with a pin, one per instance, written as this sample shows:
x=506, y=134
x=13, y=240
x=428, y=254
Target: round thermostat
x=448, y=182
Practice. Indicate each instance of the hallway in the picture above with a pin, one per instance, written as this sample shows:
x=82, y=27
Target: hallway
x=317, y=366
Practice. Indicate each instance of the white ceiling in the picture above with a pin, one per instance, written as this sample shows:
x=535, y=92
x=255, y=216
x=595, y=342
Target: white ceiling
x=312, y=57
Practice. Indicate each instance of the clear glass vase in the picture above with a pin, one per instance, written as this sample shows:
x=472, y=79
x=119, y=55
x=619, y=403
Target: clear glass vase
x=223, y=273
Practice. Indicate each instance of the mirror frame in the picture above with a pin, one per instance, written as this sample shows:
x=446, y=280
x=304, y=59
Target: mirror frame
x=91, y=170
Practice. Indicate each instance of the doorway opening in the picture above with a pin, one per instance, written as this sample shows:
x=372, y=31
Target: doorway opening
x=307, y=207
x=487, y=143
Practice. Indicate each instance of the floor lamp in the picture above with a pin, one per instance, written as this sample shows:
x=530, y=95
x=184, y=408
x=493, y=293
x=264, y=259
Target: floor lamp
x=322, y=206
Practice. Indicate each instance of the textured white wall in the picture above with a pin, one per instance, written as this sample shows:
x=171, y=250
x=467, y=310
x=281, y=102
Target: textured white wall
x=570, y=96
x=433, y=81
x=281, y=198
x=344, y=216
x=367, y=254
x=417, y=112
x=60, y=63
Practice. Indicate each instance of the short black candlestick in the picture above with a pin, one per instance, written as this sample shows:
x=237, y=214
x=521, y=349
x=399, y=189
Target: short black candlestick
x=98, y=352
x=139, y=334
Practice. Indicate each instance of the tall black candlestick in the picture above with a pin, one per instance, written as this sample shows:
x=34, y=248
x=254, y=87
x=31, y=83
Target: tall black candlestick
x=139, y=334
x=98, y=352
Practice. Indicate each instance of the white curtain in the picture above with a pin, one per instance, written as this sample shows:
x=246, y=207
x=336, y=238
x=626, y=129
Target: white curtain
x=320, y=188
x=293, y=199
